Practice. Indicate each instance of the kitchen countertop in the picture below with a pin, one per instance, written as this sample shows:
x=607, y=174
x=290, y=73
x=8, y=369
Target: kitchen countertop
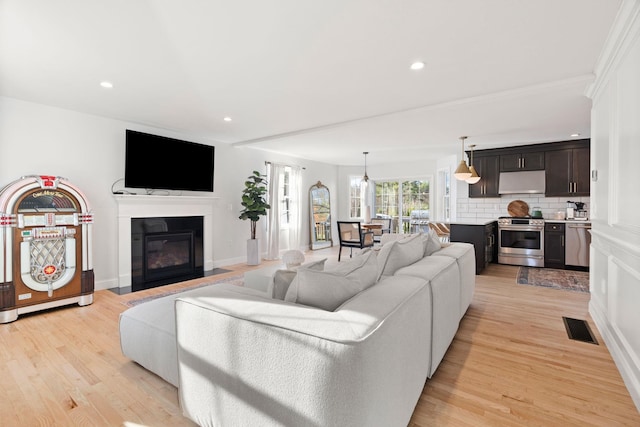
x=565, y=221
x=489, y=221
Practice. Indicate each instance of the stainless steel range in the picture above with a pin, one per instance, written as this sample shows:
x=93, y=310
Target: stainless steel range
x=521, y=241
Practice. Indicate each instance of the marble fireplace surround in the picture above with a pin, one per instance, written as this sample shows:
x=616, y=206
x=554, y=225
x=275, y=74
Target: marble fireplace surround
x=139, y=206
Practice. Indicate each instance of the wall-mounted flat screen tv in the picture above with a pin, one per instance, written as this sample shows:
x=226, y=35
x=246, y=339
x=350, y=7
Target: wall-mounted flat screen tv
x=158, y=162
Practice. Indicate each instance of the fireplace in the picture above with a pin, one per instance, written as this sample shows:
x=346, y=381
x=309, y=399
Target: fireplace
x=167, y=255
x=165, y=250
x=135, y=206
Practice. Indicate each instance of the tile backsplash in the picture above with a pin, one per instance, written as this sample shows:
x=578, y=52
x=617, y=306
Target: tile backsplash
x=493, y=208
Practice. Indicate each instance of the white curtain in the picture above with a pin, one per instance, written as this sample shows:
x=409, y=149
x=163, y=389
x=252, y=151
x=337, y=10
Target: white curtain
x=295, y=220
x=276, y=174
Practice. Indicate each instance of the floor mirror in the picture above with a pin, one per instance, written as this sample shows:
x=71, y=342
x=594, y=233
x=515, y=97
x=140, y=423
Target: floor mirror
x=319, y=217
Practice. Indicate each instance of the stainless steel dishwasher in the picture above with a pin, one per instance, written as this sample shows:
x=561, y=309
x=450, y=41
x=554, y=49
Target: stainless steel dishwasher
x=577, y=244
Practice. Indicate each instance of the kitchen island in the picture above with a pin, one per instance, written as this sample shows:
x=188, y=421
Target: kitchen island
x=482, y=234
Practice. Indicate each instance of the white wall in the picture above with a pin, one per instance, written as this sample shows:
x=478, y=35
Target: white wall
x=615, y=153
x=89, y=152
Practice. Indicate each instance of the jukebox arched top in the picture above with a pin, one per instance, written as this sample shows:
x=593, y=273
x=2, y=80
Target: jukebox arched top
x=48, y=201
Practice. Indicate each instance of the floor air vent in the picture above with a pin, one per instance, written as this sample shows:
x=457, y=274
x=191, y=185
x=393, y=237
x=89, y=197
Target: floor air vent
x=579, y=330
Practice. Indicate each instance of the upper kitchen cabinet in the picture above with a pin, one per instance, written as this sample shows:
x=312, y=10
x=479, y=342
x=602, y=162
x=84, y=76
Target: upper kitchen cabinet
x=488, y=169
x=567, y=171
x=525, y=161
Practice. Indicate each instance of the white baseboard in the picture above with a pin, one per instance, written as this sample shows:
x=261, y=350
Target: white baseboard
x=629, y=370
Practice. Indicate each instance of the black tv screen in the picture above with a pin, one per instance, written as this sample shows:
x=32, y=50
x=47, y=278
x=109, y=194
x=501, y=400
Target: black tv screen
x=158, y=162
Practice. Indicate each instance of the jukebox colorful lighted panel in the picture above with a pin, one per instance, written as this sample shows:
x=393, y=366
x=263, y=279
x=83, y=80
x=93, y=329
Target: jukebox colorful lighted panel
x=45, y=246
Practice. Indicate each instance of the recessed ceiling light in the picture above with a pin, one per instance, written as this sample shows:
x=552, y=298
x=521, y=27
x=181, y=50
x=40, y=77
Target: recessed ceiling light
x=418, y=65
x=575, y=135
x=227, y=119
x=106, y=84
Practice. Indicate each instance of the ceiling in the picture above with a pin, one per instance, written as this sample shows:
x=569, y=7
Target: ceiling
x=322, y=80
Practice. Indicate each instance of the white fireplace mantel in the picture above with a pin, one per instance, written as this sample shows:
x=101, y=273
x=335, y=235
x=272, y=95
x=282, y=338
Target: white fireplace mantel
x=143, y=206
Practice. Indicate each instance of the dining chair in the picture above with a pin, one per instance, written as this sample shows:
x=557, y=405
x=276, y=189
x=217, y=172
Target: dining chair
x=352, y=235
x=378, y=232
x=441, y=229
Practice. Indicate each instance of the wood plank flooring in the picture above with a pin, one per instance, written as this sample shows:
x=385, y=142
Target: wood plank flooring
x=511, y=364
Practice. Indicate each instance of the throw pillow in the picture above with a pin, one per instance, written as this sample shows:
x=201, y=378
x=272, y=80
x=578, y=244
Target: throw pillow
x=315, y=265
x=431, y=242
x=390, y=237
x=435, y=240
x=283, y=278
x=328, y=289
x=398, y=254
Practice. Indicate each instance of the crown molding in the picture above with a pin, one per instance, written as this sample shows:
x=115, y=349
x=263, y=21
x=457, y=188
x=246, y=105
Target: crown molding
x=624, y=32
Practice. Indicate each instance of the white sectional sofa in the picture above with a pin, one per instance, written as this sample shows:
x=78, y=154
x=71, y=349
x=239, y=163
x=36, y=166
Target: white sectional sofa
x=239, y=357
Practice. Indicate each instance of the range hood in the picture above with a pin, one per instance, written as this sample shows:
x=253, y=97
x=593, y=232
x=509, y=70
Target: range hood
x=530, y=182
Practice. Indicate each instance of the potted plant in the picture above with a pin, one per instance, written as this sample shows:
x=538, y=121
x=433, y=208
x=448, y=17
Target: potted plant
x=255, y=206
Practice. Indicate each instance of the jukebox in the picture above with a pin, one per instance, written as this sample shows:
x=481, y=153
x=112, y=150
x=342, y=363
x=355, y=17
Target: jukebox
x=45, y=246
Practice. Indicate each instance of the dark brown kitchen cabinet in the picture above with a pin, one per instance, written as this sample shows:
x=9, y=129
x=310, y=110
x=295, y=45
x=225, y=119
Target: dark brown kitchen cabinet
x=554, y=245
x=567, y=172
x=483, y=238
x=488, y=169
x=525, y=161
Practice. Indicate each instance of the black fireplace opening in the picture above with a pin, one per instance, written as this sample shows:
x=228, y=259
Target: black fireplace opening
x=165, y=250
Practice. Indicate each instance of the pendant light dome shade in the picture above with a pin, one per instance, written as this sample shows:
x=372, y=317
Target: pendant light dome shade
x=462, y=172
x=474, y=174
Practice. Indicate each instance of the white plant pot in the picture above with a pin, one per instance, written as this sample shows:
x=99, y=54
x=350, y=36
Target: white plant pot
x=253, y=251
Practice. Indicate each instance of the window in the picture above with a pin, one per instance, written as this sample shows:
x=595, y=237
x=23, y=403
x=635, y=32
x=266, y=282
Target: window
x=285, y=197
x=415, y=206
x=356, y=205
x=415, y=196
x=387, y=201
x=394, y=199
x=444, y=194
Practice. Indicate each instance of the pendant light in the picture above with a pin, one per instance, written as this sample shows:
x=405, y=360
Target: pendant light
x=365, y=178
x=474, y=174
x=462, y=172
x=364, y=192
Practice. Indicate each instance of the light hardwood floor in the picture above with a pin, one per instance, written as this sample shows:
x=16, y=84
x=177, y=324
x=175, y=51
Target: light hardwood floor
x=511, y=364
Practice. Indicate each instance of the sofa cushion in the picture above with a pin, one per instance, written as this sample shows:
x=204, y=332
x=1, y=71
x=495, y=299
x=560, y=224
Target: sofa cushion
x=328, y=289
x=268, y=362
x=399, y=253
x=464, y=254
x=431, y=242
x=147, y=330
x=282, y=278
x=443, y=274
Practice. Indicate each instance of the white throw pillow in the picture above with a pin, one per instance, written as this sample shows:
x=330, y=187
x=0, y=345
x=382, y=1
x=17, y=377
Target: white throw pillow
x=390, y=237
x=431, y=242
x=314, y=265
x=435, y=239
x=328, y=289
x=398, y=254
x=283, y=278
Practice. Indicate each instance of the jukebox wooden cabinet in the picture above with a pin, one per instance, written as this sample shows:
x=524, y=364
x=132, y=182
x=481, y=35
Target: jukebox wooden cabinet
x=46, y=234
